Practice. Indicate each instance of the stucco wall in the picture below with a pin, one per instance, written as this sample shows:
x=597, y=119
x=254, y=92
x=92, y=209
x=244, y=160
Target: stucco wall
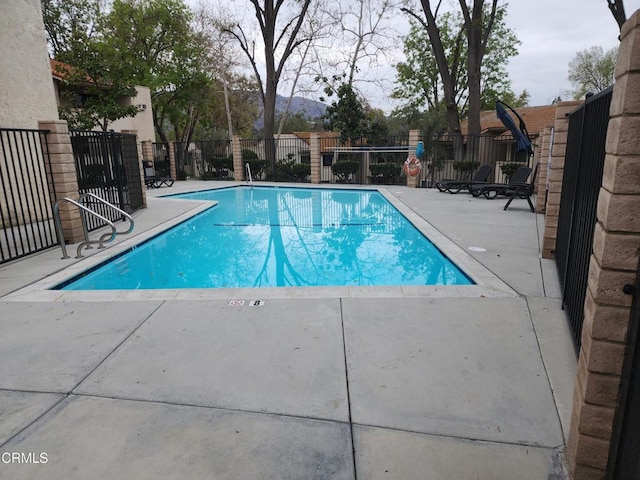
x=26, y=89
x=142, y=123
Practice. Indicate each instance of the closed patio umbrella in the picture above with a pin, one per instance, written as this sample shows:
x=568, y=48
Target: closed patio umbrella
x=520, y=135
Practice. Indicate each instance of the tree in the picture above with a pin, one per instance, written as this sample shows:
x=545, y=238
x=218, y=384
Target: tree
x=93, y=89
x=592, y=70
x=419, y=78
x=237, y=107
x=346, y=115
x=69, y=23
x=93, y=82
x=280, y=38
x=154, y=40
x=478, y=27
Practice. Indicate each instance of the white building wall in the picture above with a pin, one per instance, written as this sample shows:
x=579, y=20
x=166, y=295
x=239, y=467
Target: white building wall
x=143, y=121
x=26, y=89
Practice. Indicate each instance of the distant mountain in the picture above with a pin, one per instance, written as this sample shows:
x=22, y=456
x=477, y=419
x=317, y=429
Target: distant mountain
x=311, y=108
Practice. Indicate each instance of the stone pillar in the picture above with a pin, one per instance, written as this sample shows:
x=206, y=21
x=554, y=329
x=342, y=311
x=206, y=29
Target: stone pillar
x=62, y=177
x=316, y=158
x=414, y=137
x=556, y=170
x=545, y=139
x=614, y=263
x=147, y=150
x=238, y=165
x=173, y=170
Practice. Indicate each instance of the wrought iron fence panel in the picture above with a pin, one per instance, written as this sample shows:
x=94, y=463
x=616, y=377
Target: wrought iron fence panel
x=107, y=166
x=582, y=179
x=27, y=186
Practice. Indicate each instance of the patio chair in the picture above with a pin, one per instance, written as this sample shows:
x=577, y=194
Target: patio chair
x=492, y=190
x=456, y=186
x=523, y=190
x=151, y=180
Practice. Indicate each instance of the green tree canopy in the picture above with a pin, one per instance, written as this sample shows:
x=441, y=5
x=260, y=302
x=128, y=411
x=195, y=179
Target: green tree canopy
x=346, y=114
x=419, y=79
x=93, y=83
x=592, y=70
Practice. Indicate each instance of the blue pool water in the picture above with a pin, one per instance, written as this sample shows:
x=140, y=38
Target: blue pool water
x=276, y=237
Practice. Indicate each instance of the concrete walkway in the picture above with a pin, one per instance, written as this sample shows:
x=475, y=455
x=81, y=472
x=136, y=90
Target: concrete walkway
x=330, y=383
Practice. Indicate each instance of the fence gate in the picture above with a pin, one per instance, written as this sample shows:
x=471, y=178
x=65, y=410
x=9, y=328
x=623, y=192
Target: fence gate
x=107, y=166
x=583, y=167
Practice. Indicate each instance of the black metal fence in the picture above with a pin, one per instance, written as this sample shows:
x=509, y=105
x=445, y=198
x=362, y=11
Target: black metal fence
x=364, y=160
x=107, y=165
x=583, y=167
x=26, y=214
x=457, y=157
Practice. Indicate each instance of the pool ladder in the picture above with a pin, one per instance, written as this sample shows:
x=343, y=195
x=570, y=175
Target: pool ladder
x=85, y=210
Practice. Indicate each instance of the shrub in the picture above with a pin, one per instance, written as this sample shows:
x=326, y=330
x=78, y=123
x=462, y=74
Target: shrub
x=219, y=163
x=301, y=171
x=509, y=169
x=344, y=168
x=385, y=170
x=465, y=167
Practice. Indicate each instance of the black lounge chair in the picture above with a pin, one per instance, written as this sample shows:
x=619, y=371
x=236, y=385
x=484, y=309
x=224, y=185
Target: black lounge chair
x=157, y=181
x=522, y=191
x=151, y=180
x=456, y=186
x=492, y=190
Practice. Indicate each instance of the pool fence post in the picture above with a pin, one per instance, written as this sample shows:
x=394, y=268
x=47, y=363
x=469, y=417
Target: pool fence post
x=62, y=176
x=316, y=158
x=173, y=171
x=238, y=167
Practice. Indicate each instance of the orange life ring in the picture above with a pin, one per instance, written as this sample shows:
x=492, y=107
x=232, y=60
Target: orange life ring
x=412, y=166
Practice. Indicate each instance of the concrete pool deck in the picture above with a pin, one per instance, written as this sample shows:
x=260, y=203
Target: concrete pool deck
x=367, y=383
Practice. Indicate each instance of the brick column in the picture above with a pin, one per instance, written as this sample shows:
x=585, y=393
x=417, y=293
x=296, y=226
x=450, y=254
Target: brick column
x=556, y=170
x=147, y=150
x=173, y=171
x=414, y=137
x=316, y=158
x=238, y=166
x=62, y=177
x=543, y=170
x=613, y=264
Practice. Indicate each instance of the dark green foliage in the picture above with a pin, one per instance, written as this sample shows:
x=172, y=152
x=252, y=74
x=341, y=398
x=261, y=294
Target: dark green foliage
x=219, y=163
x=344, y=168
x=509, y=169
x=181, y=174
x=386, y=170
x=301, y=171
x=220, y=169
x=347, y=114
x=465, y=167
x=290, y=171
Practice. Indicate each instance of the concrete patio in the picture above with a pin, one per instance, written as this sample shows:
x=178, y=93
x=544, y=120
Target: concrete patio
x=327, y=383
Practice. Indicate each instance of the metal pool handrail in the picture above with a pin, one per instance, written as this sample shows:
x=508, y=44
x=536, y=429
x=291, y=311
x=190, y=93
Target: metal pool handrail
x=248, y=170
x=105, y=238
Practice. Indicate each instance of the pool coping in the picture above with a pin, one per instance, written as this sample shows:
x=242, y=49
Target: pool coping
x=487, y=284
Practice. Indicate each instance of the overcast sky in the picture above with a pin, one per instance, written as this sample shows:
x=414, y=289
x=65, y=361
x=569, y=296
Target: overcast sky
x=552, y=32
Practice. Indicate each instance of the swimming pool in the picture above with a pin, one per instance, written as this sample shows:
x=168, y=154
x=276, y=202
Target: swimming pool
x=277, y=237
